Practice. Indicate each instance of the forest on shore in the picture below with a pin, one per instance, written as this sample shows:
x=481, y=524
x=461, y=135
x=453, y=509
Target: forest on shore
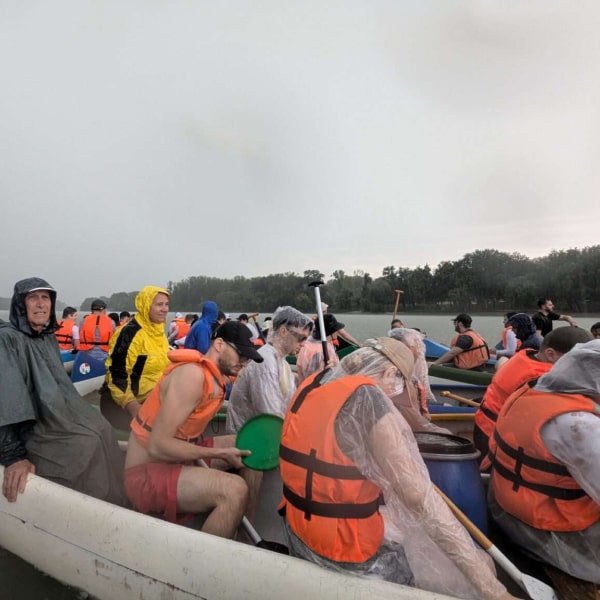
x=481, y=281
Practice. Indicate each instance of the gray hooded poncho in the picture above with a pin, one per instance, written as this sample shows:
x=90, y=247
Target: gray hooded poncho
x=42, y=416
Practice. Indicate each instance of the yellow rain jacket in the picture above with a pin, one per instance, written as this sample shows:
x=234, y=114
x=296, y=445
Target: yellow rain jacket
x=137, y=353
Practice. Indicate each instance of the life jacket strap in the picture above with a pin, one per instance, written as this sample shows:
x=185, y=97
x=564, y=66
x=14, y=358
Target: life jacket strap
x=328, y=510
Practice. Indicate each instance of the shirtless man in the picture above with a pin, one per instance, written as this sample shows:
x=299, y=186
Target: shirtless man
x=162, y=472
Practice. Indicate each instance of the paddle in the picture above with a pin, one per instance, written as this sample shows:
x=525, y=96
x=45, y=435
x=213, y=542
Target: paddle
x=398, y=293
x=261, y=435
x=260, y=333
x=460, y=399
x=536, y=589
x=316, y=285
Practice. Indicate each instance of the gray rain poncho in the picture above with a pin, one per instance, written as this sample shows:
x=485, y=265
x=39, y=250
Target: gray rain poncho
x=42, y=416
x=574, y=440
x=424, y=545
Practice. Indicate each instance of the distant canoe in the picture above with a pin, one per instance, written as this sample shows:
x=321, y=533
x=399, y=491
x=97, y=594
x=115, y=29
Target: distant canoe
x=461, y=375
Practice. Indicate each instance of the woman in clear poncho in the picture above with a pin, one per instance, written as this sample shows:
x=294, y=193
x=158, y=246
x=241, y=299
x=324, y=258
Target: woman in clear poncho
x=423, y=545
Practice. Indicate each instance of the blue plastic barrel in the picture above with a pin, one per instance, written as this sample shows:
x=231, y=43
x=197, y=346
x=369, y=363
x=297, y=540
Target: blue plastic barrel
x=452, y=464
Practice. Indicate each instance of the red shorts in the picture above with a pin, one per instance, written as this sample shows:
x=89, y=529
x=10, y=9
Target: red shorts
x=152, y=487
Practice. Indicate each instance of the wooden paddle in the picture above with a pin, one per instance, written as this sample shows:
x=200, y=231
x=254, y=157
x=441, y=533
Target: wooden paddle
x=398, y=294
x=536, y=589
x=258, y=328
x=460, y=399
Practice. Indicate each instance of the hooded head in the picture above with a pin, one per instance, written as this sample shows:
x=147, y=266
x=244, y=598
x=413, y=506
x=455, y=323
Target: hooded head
x=143, y=303
x=381, y=359
x=576, y=372
x=524, y=328
x=210, y=312
x=18, y=310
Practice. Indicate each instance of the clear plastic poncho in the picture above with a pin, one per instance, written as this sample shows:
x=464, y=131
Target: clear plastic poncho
x=574, y=440
x=409, y=406
x=420, y=530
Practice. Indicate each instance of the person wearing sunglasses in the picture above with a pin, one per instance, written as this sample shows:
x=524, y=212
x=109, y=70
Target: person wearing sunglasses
x=268, y=387
x=162, y=470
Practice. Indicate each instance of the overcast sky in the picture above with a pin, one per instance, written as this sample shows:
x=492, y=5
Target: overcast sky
x=145, y=141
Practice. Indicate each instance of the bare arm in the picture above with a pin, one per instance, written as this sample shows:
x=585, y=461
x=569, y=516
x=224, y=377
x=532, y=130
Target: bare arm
x=390, y=449
x=449, y=356
x=569, y=319
x=180, y=394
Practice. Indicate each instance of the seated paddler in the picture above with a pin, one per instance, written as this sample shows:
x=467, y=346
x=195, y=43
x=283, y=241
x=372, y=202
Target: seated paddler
x=545, y=454
x=163, y=475
x=46, y=427
x=345, y=450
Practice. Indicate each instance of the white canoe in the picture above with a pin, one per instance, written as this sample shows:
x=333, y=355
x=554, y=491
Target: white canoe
x=117, y=554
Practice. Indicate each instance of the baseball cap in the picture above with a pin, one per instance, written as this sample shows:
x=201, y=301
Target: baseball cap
x=396, y=352
x=98, y=304
x=239, y=335
x=463, y=318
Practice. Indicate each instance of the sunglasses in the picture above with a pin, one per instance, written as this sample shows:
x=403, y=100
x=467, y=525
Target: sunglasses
x=300, y=337
x=241, y=358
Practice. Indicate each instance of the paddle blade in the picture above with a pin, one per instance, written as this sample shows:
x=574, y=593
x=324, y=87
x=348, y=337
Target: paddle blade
x=537, y=589
x=261, y=435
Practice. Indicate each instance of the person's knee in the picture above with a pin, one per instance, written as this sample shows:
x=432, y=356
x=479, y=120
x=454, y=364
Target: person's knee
x=237, y=491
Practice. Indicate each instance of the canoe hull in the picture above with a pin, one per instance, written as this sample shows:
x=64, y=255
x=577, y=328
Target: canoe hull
x=117, y=554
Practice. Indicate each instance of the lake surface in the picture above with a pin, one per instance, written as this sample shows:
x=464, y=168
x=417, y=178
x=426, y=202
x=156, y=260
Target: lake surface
x=19, y=580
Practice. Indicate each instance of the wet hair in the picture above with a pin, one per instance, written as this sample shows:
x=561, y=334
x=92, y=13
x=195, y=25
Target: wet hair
x=68, y=311
x=123, y=314
x=288, y=316
x=564, y=338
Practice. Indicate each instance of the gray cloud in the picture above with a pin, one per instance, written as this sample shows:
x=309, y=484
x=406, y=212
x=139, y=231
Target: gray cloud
x=144, y=142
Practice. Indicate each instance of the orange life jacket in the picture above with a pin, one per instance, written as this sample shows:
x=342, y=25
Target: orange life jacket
x=475, y=356
x=64, y=335
x=327, y=502
x=520, y=369
x=183, y=328
x=213, y=394
x=96, y=330
x=528, y=481
x=503, y=338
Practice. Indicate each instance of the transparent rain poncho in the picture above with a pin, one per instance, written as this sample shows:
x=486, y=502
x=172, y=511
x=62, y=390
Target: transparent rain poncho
x=267, y=387
x=424, y=544
x=574, y=440
x=407, y=404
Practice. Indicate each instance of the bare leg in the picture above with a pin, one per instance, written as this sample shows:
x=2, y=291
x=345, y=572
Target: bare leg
x=225, y=495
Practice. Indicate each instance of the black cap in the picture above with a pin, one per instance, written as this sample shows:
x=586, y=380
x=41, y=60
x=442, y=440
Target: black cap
x=332, y=325
x=240, y=336
x=463, y=318
x=98, y=304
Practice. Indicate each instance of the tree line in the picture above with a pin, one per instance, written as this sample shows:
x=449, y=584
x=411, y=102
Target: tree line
x=481, y=281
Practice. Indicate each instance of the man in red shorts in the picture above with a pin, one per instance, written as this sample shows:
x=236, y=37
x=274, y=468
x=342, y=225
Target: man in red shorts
x=161, y=469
